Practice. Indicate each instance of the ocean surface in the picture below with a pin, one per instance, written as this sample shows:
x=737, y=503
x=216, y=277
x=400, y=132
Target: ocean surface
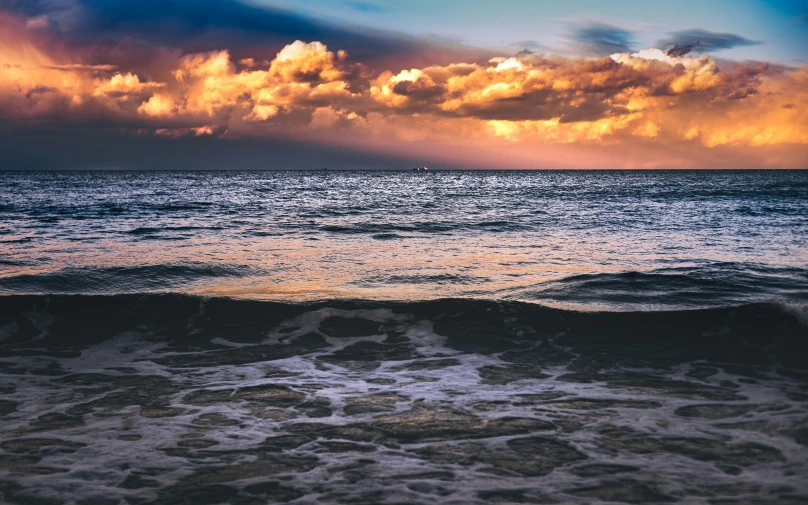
x=587, y=240
x=246, y=338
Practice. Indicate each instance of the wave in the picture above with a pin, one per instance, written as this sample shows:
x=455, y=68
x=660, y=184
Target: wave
x=11, y=263
x=141, y=278
x=148, y=229
x=386, y=236
x=187, y=206
x=425, y=227
x=708, y=285
x=756, y=334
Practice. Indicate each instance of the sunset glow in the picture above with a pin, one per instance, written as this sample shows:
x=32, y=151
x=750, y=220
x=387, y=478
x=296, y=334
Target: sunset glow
x=677, y=106
x=403, y=251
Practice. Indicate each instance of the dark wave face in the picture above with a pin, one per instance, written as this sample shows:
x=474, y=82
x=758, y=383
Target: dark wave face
x=584, y=240
x=143, y=278
x=166, y=399
x=708, y=285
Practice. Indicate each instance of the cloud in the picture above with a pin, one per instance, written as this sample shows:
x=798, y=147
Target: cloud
x=38, y=23
x=158, y=105
x=543, y=88
x=617, y=99
x=78, y=67
x=43, y=83
x=530, y=46
x=25, y=148
x=246, y=29
x=40, y=82
x=198, y=131
x=301, y=76
x=122, y=85
x=599, y=39
x=30, y=8
x=512, y=106
x=40, y=90
x=702, y=41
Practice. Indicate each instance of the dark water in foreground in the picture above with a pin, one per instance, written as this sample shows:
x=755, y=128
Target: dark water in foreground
x=574, y=239
x=169, y=399
x=251, y=338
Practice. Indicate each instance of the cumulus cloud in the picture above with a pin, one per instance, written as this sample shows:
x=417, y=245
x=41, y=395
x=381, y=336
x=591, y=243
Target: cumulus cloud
x=625, y=97
x=158, y=105
x=540, y=88
x=40, y=82
x=307, y=89
x=122, y=85
x=302, y=75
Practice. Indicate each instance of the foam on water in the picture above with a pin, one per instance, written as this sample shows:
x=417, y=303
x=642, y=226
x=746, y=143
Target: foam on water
x=451, y=401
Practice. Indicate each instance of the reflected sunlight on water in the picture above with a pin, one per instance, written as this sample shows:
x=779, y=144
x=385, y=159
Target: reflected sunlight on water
x=650, y=238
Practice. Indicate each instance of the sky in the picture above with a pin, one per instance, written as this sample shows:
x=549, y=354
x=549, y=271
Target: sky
x=283, y=84
x=509, y=24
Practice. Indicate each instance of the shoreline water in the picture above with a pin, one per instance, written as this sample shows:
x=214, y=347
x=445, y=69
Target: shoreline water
x=710, y=286
x=157, y=398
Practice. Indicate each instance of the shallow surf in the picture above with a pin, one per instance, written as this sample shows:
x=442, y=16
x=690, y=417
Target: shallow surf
x=165, y=399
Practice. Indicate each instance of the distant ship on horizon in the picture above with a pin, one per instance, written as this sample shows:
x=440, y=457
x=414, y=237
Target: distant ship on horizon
x=420, y=169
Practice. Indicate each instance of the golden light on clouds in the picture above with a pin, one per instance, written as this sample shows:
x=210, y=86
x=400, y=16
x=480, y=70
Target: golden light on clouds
x=646, y=98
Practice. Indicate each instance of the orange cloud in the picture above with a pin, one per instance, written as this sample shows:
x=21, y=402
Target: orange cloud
x=37, y=84
x=158, y=105
x=626, y=97
x=124, y=85
x=209, y=85
x=641, y=99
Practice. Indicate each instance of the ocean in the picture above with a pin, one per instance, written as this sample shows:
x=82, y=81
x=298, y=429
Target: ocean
x=583, y=240
x=404, y=337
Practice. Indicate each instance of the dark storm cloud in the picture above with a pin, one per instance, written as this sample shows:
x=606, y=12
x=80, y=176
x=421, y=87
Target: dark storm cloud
x=206, y=25
x=28, y=7
x=600, y=39
x=702, y=41
x=79, y=149
x=202, y=25
x=38, y=90
x=110, y=30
